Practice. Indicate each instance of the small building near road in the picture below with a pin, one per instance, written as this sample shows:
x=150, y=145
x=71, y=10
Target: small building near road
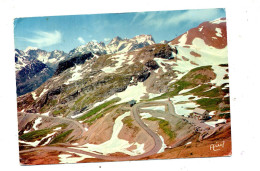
x=200, y=114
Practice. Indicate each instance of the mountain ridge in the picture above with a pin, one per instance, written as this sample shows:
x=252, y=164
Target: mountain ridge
x=53, y=58
x=116, y=45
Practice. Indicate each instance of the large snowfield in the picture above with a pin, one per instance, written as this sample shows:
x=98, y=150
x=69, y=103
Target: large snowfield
x=209, y=54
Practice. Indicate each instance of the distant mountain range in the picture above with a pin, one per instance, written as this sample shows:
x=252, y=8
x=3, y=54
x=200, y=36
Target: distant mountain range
x=116, y=45
x=24, y=60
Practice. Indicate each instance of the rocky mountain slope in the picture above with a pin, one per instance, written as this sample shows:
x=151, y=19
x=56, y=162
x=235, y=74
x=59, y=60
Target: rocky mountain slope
x=32, y=76
x=34, y=66
x=94, y=89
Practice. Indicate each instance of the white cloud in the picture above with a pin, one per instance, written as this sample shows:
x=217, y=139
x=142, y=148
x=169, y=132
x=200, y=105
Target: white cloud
x=159, y=19
x=81, y=40
x=137, y=15
x=94, y=41
x=195, y=15
x=44, y=39
x=107, y=39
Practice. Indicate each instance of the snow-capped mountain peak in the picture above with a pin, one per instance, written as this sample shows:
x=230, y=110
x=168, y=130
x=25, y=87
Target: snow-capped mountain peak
x=116, y=45
x=144, y=38
x=30, y=48
x=115, y=40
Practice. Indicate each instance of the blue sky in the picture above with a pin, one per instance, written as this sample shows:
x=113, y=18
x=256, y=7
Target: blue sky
x=67, y=32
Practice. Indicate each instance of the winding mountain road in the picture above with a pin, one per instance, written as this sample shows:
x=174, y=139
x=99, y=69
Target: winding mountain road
x=64, y=120
x=135, y=113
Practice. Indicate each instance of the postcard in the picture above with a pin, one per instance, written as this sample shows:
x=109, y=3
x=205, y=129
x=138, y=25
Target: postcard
x=122, y=86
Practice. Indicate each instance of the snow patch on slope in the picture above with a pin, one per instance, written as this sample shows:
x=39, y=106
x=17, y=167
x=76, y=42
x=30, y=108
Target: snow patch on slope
x=127, y=95
x=161, y=108
x=49, y=137
x=36, y=143
x=120, y=59
x=219, y=33
x=187, y=90
x=220, y=73
x=163, y=145
x=186, y=107
x=183, y=109
x=213, y=123
x=76, y=75
x=106, y=100
x=115, y=144
x=46, y=114
x=67, y=158
x=43, y=91
x=20, y=64
x=201, y=28
x=152, y=95
x=34, y=96
x=37, y=122
x=145, y=115
x=183, y=39
x=160, y=62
